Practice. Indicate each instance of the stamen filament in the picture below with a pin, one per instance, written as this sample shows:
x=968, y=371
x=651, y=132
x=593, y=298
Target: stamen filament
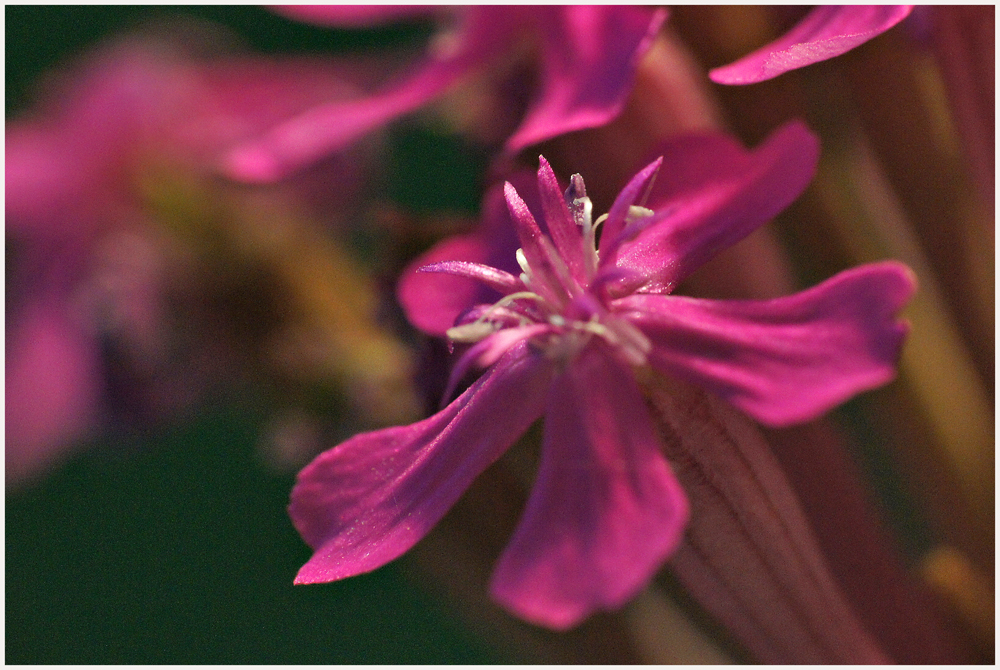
x=475, y=331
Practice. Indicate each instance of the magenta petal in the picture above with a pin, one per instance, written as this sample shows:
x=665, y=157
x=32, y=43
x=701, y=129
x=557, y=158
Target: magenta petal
x=351, y=16
x=785, y=360
x=542, y=256
x=722, y=194
x=488, y=350
x=605, y=511
x=589, y=58
x=44, y=178
x=432, y=301
x=333, y=126
x=825, y=32
x=52, y=389
x=499, y=280
x=528, y=232
x=566, y=235
x=368, y=500
x=630, y=195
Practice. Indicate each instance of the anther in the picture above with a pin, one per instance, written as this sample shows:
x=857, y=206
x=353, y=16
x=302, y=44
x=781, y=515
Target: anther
x=522, y=261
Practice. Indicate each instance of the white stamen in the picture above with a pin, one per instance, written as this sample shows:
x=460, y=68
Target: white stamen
x=480, y=328
x=635, y=213
x=567, y=337
x=526, y=276
x=590, y=254
x=471, y=332
x=522, y=261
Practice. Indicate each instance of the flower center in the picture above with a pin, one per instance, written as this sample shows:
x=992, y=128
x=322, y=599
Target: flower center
x=570, y=313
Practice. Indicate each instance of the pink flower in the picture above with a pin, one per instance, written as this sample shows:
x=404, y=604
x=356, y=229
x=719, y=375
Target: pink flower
x=827, y=31
x=86, y=263
x=587, y=58
x=569, y=338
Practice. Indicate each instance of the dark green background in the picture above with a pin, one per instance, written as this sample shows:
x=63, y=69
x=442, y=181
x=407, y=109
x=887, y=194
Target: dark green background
x=175, y=547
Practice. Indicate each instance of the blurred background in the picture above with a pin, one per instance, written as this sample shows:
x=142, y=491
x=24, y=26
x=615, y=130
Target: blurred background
x=168, y=541
x=232, y=332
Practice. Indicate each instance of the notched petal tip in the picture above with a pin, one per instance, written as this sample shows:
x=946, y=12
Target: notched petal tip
x=605, y=511
x=786, y=360
x=900, y=280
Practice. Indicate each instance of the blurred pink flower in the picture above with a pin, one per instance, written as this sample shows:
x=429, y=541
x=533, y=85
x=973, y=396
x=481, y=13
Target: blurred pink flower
x=827, y=31
x=586, y=62
x=86, y=265
x=565, y=340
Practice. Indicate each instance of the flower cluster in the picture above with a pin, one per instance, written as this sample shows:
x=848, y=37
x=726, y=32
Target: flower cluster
x=183, y=215
x=586, y=63
x=566, y=340
x=117, y=222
